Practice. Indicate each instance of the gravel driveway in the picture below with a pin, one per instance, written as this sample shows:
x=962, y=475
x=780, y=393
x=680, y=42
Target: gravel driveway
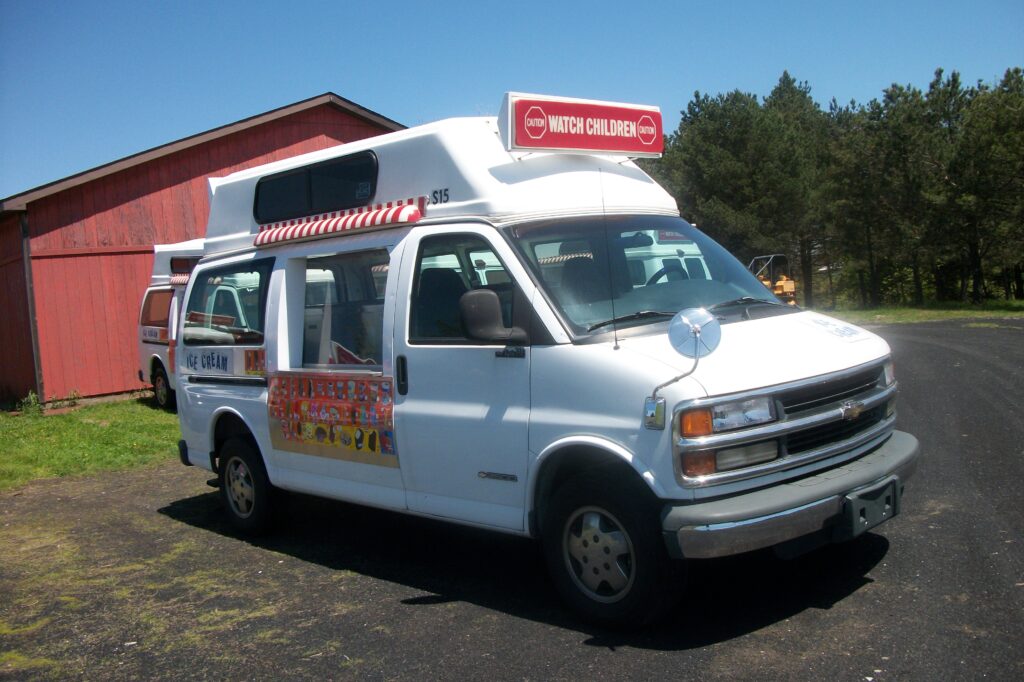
x=136, y=575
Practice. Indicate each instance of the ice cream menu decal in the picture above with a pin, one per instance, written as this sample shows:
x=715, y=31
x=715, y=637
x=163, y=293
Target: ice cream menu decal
x=342, y=416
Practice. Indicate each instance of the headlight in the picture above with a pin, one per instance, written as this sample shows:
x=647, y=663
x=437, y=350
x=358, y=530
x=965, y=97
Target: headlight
x=888, y=373
x=888, y=379
x=739, y=414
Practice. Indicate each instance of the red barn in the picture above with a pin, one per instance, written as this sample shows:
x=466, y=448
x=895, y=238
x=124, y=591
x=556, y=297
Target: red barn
x=76, y=254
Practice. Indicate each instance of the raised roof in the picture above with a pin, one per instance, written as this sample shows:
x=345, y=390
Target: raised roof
x=464, y=160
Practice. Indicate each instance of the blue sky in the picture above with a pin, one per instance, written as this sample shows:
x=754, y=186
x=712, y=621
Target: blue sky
x=85, y=83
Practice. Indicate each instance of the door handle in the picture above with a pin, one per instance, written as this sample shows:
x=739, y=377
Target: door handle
x=511, y=352
x=401, y=375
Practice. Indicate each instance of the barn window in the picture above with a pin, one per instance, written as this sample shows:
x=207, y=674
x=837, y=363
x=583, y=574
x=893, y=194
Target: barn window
x=334, y=185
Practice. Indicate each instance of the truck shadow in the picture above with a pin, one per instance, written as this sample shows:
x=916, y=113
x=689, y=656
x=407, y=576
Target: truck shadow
x=726, y=598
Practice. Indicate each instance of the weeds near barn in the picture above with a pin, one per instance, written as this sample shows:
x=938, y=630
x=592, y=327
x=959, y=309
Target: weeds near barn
x=102, y=437
x=30, y=405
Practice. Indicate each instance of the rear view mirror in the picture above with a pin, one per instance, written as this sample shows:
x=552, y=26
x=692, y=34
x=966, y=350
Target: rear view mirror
x=634, y=241
x=481, y=318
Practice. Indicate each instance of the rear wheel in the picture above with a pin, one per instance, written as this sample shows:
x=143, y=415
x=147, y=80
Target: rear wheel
x=603, y=546
x=244, y=486
x=163, y=396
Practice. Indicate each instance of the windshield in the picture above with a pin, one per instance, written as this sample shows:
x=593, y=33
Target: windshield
x=633, y=270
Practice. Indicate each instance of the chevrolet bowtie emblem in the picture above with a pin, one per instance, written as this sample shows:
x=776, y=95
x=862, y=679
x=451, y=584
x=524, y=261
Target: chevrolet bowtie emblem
x=851, y=409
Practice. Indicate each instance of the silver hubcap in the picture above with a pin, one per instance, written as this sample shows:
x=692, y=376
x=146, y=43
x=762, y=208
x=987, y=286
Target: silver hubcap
x=239, y=487
x=598, y=554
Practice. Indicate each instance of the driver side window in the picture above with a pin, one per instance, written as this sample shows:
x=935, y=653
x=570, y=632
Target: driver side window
x=448, y=266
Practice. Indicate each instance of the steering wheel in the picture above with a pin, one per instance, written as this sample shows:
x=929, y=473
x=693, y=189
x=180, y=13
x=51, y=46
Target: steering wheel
x=662, y=273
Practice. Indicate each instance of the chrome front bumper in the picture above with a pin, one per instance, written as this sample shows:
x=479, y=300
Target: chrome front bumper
x=786, y=511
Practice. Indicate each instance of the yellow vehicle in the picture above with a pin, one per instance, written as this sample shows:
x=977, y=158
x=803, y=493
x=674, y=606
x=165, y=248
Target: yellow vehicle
x=773, y=271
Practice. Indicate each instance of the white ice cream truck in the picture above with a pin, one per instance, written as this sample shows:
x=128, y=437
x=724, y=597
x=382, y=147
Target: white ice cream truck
x=504, y=322
x=158, y=316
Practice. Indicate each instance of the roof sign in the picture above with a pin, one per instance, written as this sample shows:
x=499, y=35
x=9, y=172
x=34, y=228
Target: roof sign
x=390, y=214
x=560, y=124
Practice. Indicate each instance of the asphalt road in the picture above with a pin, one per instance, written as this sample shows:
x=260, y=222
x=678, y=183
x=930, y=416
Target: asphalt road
x=137, y=576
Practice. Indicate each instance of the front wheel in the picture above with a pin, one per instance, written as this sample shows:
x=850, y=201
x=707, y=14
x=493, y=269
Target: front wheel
x=244, y=486
x=604, y=549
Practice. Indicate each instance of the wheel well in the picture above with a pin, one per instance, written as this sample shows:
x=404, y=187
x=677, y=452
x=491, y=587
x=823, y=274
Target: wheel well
x=564, y=464
x=155, y=362
x=229, y=425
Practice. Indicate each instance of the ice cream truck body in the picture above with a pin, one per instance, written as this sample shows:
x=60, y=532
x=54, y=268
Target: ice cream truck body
x=504, y=322
x=158, y=316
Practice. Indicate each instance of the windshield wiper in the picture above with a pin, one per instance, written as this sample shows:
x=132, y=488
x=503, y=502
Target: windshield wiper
x=744, y=300
x=638, y=315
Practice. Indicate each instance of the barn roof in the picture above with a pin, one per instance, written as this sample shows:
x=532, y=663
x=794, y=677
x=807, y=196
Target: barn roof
x=18, y=202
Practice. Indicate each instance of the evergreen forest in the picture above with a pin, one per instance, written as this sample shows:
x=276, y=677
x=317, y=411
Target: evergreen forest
x=914, y=198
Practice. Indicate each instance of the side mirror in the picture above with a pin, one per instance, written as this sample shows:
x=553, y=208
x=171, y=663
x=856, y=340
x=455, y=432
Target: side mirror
x=481, y=317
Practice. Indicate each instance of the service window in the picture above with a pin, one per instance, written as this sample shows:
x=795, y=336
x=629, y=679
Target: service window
x=344, y=314
x=227, y=305
x=156, y=308
x=448, y=267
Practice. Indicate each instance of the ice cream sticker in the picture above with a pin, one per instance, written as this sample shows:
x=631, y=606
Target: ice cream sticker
x=342, y=416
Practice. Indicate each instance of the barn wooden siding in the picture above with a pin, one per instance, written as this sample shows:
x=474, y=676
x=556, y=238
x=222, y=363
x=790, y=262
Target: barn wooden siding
x=92, y=247
x=17, y=367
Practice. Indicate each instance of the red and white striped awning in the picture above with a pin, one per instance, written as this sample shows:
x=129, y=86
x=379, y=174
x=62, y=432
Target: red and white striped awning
x=393, y=213
x=179, y=278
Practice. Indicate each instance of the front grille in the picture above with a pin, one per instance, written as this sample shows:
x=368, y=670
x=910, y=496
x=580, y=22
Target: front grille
x=810, y=397
x=820, y=436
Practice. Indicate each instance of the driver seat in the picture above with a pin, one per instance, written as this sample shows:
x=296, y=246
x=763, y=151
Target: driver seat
x=581, y=281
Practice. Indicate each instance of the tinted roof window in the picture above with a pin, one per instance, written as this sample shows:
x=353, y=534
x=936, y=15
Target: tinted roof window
x=336, y=186
x=333, y=185
x=282, y=196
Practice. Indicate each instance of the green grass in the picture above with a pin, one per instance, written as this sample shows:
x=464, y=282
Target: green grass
x=102, y=437
x=930, y=313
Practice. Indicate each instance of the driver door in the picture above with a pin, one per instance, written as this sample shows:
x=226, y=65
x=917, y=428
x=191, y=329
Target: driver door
x=462, y=406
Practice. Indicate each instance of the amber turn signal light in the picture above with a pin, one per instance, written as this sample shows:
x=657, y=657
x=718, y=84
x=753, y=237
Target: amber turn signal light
x=696, y=423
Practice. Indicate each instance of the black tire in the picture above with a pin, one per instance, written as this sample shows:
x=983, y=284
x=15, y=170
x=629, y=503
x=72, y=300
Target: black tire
x=618, y=574
x=245, y=489
x=163, y=396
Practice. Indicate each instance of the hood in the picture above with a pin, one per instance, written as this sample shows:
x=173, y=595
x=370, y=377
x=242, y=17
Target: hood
x=769, y=351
